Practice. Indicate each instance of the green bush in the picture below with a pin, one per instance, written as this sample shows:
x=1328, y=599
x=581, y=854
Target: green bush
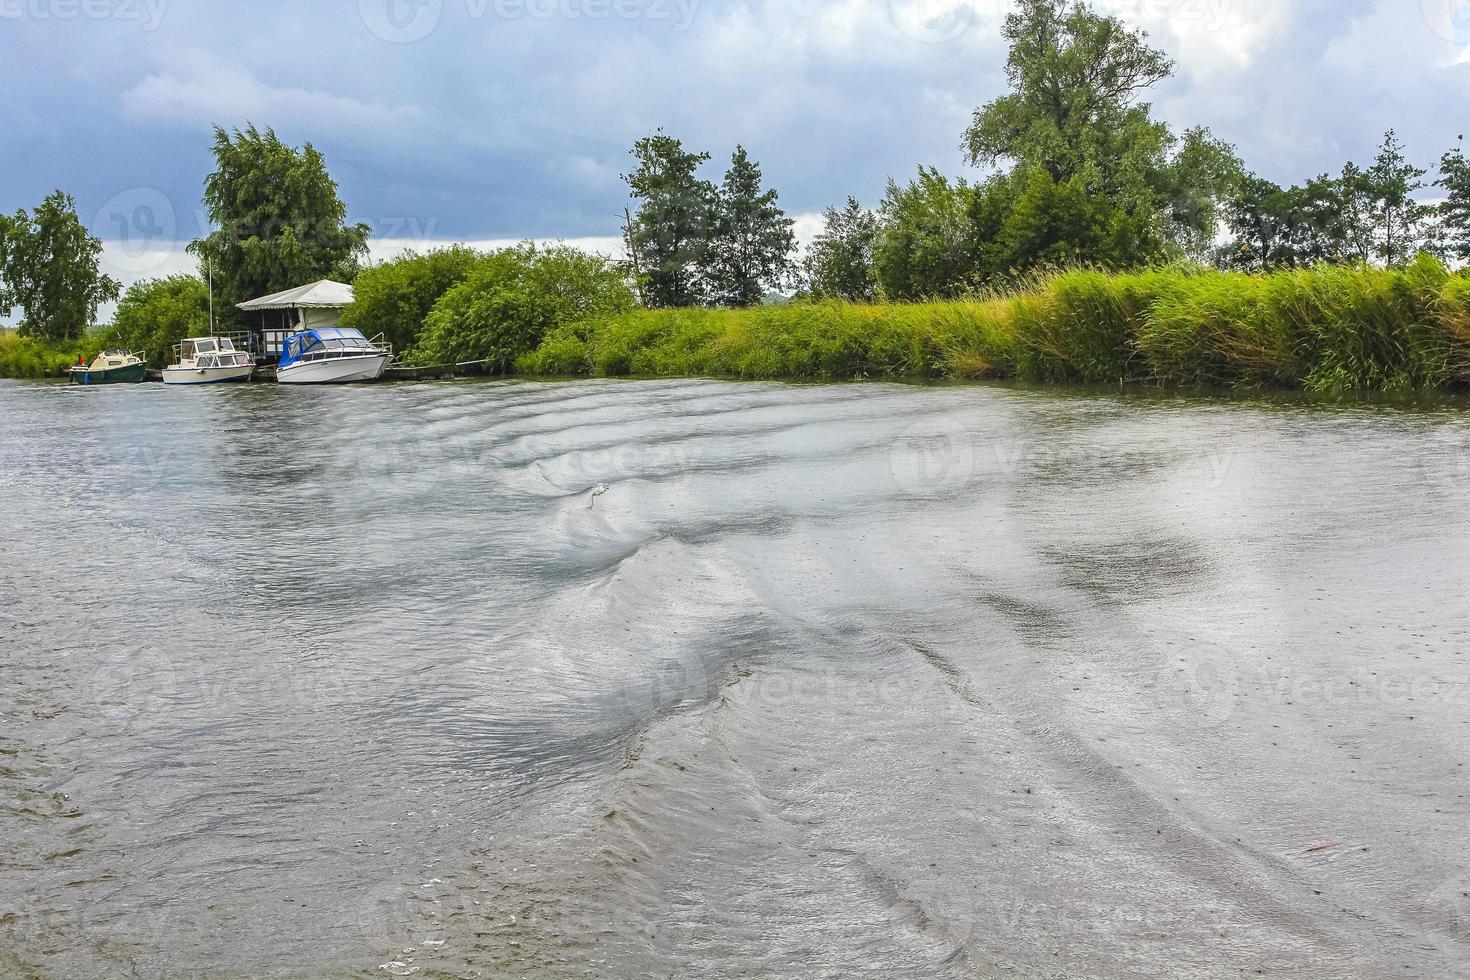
x=395, y=298
x=155, y=314
x=513, y=299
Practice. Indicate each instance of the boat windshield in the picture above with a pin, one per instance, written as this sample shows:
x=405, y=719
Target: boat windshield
x=226, y=345
x=325, y=342
x=204, y=347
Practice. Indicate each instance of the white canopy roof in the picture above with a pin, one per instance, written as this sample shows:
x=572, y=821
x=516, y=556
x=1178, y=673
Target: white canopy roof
x=325, y=294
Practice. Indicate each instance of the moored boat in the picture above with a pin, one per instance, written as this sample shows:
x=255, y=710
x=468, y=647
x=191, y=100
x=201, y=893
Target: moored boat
x=207, y=361
x=332, y=355
x=111, y=367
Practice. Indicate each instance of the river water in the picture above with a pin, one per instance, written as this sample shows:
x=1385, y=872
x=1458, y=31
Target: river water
x=833, y=681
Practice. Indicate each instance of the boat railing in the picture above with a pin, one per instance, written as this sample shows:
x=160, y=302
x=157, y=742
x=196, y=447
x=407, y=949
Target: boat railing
x=240, y=342
x=381, y=343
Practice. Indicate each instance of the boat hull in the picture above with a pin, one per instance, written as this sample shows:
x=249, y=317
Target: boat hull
x=334, y=371
x=207, y=376
x=129, y=375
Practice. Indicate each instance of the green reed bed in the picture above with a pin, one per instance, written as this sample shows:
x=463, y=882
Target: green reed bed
x=24, y=358
x=1330, y=328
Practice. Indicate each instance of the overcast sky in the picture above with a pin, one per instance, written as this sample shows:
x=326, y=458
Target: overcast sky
x=486, y=120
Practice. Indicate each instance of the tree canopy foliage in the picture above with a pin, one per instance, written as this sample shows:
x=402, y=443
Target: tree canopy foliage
x=668, y=236
x=1362, y=215
x=395, y=298
x=691, y=242
x=49, y=269
x=751, y=244
x=927, y=245
x=1075, y=80
x=839, y=264
x=280, y=221
x=155, y=314
x=1074, y=115
x=1454, y=180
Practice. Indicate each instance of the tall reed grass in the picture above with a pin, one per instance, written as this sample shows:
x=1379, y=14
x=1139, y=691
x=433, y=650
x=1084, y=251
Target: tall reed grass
x=23, y=358
x=1329, y=328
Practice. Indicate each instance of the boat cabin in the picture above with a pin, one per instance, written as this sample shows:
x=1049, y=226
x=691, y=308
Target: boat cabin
x=211, y=352
x=113, y=359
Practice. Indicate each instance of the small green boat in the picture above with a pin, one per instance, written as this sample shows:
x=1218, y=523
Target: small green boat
x=112, y=367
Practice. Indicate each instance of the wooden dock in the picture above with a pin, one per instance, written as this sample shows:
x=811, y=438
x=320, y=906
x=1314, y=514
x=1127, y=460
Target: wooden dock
x=428, y=372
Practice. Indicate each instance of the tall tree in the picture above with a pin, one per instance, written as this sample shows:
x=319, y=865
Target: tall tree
x=839, y=264
x=1398, y=219
x=1074, y=112
x=1454, y=213
x=752, y=240
x=1075, y=80
x=668, y=236
x=280, y=221
x=51, y=271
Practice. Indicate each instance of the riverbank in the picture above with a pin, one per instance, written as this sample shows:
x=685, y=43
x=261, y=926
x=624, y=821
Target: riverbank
x=1327, y=329
x=1323, y=329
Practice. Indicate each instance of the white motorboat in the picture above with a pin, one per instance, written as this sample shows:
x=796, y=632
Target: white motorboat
x=208, y=361
x=332, y=355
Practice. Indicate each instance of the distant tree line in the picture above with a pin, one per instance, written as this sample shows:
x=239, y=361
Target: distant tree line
x=1079, y=172
x=1362, y=215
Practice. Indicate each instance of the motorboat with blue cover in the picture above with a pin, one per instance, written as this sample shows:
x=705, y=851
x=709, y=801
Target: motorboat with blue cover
x=332, y=355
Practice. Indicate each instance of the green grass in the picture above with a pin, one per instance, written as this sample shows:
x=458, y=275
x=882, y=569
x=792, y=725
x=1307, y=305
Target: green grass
x=1327, y=329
